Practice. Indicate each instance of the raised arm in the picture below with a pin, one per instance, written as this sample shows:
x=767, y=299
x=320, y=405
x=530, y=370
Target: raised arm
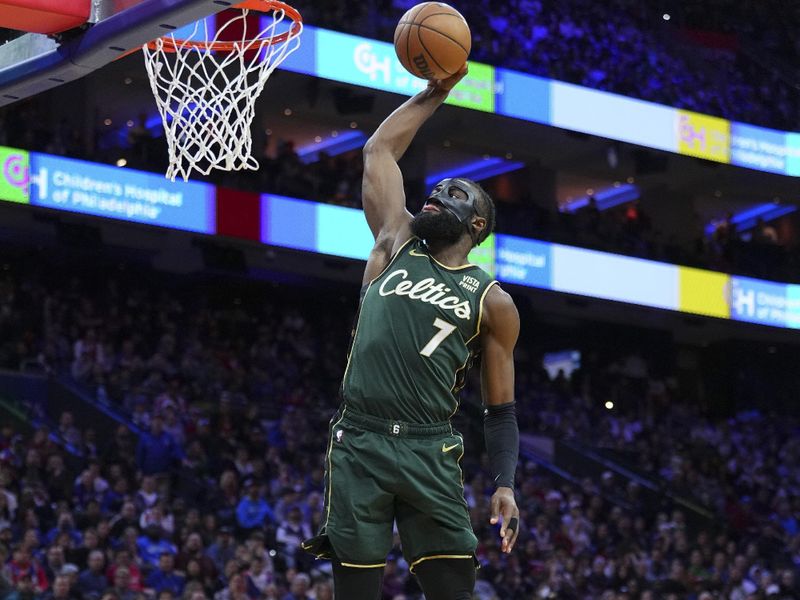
x=382, y=187
x=500, y=326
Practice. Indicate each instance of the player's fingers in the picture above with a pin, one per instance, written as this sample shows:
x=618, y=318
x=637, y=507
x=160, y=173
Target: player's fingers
x=494, y=507
x=510, y=525
x=513, y=530
x=507, y=512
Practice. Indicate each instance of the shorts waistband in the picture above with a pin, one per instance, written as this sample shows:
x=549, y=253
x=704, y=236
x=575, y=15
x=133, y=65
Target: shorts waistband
x=395, y=427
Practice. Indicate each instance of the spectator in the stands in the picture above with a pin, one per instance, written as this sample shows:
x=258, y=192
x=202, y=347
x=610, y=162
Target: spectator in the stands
x=61, y=590
x=22, y=564
x=157, y=451
x=299, y=587
x=22, y=590
x=122, y=585
x=65, y=527
x=164, y=577
x=152, y=545
x=124, y=519
x=193, y=551
x=291, y=533
x=54, y=561
x=253, y=511
x=133, y=575
x=260, y=573
x=223, y=549
x=67, y=429
x=92, y=582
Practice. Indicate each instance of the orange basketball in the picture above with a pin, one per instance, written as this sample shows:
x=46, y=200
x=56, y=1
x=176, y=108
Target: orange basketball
x=432, y=40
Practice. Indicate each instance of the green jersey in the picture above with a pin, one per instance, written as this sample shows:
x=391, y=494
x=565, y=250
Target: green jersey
x=416, y=335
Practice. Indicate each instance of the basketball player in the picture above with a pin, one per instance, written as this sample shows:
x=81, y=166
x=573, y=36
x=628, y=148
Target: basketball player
x=424, y=314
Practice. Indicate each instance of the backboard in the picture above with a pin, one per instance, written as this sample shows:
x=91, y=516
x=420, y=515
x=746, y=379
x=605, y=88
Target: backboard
x=33, y=62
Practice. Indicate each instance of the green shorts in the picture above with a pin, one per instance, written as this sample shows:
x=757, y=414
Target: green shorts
x=379, y=472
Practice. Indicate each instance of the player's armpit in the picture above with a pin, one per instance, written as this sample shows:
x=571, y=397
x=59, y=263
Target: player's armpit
x=379, y=256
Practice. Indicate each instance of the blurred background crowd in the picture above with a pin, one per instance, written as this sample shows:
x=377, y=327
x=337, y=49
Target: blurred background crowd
x=212, y=474
x=731, y=60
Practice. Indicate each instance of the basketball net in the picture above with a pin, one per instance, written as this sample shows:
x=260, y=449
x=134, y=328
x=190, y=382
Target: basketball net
x=206, y=90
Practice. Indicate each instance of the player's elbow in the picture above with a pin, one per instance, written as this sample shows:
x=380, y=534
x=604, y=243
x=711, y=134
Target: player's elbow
x=377, y=148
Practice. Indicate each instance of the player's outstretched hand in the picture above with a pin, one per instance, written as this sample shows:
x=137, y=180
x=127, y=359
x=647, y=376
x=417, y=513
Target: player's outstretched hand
x=448, y=84
x=504, y=510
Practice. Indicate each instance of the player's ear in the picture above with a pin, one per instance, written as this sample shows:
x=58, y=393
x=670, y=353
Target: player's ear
x=478, y=225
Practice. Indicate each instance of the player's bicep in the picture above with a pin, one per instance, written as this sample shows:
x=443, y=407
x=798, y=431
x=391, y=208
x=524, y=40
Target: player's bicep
x=498, y=341
x=383, y=195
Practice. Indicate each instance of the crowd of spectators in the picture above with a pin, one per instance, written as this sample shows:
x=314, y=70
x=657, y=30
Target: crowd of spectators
x=226, y=386
x=628, y=229
x=766, y=28
x=623, y=47
x=616, y=47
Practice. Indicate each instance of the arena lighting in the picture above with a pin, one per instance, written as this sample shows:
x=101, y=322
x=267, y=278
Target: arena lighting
x=609, y=404
x=333, y=146
x=477, y=170
x=747, y=219
x=606, y=198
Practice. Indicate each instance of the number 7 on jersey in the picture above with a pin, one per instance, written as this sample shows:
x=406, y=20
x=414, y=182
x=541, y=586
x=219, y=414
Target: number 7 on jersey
x=445, y=329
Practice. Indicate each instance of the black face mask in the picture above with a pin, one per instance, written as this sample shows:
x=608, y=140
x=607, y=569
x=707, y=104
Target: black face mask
x=463, y=210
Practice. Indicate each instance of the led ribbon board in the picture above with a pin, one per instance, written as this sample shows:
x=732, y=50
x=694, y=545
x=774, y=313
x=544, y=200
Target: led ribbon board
x=124, y=194
x=373, y=64
x=105, y=191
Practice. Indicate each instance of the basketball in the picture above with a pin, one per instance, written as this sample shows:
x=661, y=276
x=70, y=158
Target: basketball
x=432, y=40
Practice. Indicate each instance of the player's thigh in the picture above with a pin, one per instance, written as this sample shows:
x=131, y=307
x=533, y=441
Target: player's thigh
x=432, y=515
x=360, y=512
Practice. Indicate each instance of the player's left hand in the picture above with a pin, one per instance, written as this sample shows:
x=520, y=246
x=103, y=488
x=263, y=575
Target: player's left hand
x=504, y=510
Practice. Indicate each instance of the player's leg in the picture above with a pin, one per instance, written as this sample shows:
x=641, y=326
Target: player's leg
x=352, y=583
x=433, y=518
x=447, y=578
x=359, y=512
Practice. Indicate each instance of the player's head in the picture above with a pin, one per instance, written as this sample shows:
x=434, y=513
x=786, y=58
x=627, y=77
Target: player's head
x=456, y=206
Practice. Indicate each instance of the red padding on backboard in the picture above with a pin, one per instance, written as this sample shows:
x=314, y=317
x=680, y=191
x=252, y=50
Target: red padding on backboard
x=43, y=16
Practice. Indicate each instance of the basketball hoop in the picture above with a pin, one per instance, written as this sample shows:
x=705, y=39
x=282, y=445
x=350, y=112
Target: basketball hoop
x=206, y=89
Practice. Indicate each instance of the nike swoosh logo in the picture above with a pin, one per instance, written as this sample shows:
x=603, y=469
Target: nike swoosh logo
x=446, y=448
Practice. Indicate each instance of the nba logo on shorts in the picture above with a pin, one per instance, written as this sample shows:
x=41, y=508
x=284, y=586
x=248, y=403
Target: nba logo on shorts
x=339, y=435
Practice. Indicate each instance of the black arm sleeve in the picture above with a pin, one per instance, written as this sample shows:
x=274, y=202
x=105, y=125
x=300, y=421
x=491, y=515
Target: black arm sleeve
x=502, y=442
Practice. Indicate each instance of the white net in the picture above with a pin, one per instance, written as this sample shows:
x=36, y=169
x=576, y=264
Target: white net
x=207, y=97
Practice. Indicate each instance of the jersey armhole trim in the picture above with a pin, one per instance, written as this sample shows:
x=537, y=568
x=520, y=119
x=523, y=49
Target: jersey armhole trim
x=480, y=310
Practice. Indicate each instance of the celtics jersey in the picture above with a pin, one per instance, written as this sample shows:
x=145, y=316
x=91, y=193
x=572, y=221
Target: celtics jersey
x=417, y=331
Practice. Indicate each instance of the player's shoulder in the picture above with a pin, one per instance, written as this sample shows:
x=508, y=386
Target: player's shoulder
x=499, y=310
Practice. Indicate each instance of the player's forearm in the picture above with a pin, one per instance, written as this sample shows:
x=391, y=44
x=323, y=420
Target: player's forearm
x=398, y=129
x=502, y=442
